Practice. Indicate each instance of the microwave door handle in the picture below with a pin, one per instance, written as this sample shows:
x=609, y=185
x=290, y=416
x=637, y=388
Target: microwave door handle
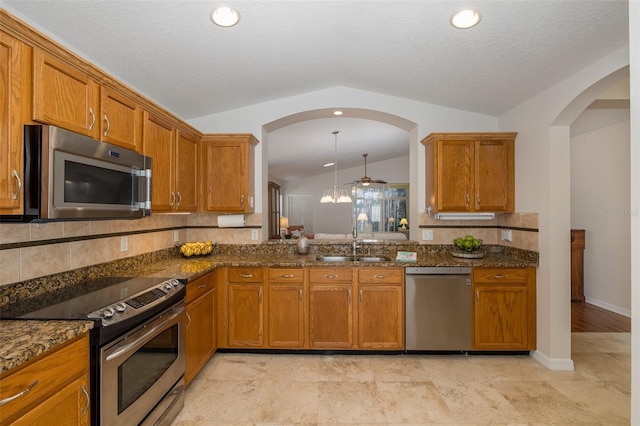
x=124, y=348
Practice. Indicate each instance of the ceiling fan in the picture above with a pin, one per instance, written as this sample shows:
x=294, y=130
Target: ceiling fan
x=366, y=180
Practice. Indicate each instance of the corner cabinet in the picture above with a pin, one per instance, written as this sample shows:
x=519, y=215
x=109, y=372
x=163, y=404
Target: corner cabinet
x=228, y=166
x=15, y=100
x=504, y=309
x=470, y=172
x=54, y=388
x=201, y=325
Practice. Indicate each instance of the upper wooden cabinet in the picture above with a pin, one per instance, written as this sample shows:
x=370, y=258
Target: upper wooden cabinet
x=14, y=103
x=120, y=120
x=64, y=96
x=228, y=165
x=470, y=172
x=187, y=165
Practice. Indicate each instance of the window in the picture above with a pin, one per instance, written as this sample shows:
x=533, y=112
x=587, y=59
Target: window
x=383, y=205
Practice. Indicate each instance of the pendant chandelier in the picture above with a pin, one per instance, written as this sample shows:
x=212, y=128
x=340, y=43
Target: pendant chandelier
x=335, y=195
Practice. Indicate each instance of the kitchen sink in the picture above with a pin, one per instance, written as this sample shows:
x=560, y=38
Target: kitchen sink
x=329, y=258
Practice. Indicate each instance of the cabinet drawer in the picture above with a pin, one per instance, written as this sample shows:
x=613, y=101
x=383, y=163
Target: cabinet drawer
x=199, y=287
x=245, y=275
x=380, y=275
x=499, y=275
x=331, y=275
x=50, y=374
x=286, y=275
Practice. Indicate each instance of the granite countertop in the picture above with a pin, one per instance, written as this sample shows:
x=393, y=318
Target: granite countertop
x=23, y=341
x=195, y=267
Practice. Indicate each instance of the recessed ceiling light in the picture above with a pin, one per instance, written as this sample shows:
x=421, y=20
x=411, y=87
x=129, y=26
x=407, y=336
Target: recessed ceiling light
x=465, y=18
x=225, y=16
x=337, y=112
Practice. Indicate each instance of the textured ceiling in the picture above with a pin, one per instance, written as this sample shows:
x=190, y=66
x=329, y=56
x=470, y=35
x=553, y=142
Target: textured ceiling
x=171, y=52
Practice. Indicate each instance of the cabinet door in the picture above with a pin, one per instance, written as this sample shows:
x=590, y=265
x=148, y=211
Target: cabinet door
x=68, y=406
x=500, y=317
x=64, y=96
x=380, y=317
x=120, y=122
x=330, y=316
x=226, y=176
x=13, y=82
x=494, y=176
x=186, y=173
x=246, y=315
x=286, y=315
x=201, y=334
x=453, y=175
x=159, y=144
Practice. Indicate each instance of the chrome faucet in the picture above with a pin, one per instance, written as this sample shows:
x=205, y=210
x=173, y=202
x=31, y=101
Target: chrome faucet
x=355, y=240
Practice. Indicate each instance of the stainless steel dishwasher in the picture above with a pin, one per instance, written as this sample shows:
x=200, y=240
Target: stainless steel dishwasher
x=438, y=308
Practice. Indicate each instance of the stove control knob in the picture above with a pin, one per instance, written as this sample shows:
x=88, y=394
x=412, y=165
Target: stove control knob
x=120, y=307
x=175, y=282
x=168, y=285
x=108, y=313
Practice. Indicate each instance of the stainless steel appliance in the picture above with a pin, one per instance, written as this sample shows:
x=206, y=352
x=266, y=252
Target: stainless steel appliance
x=137, y=344
x=438, y=308
x=68, y=176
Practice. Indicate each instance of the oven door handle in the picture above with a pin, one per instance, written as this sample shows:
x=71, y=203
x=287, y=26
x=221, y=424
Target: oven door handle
x=124, y=348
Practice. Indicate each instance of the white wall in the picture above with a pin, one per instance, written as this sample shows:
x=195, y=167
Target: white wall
x=543, y=185
x=600, y=185
x=337, y=218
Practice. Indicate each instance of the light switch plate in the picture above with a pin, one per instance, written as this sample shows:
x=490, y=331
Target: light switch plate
x=124, y=243
x=427, y=234
x=254, y=234
x=176, y=235
x=506, y=235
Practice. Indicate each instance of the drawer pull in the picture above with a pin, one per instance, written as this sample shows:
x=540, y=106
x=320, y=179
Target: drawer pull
x=245, y=275
x=300, y=295
x=202, y=286
x=499, y=276
x=331, y=277
x=380, y=277
x=286, y=275
x=19, y=394
x=86, y=395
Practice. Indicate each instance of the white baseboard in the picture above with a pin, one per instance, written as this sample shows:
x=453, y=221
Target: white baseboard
x=608, y=306
x=552, y=364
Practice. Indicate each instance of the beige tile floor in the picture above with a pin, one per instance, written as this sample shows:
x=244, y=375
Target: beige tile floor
x=248, y=389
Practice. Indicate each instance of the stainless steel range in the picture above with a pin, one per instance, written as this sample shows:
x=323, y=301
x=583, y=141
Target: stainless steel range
x=137, y=344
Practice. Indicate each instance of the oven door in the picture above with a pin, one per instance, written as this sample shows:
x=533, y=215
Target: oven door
x=139, y=369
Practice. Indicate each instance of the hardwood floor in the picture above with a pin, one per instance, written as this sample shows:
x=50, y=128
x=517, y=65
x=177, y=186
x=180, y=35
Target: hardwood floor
x=591, y=318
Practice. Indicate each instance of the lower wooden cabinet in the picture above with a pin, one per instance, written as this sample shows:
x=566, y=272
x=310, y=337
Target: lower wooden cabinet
x=381, y=308
x=58, y=386
x=201, y=326
x=245, y=308
x=331, y=308
x=287, y=312
x=504, y=309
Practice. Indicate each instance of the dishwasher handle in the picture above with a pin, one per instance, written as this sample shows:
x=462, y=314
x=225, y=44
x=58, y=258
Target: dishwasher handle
x=438, y=270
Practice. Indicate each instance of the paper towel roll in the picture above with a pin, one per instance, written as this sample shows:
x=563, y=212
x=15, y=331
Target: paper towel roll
x=231, y=221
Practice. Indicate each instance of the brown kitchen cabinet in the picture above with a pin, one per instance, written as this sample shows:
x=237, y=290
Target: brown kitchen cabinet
x=201, y=336
x=470, y=172
x=287, y=308
x=65, y=96
x=504, y=309
x=577, y=265
x=331, y=308
x=158, y=142
x=186, y=176
x=381, y=308
x=246, y=307
x=14, y=112
x=120, y=120
x=58, y=383
x=228, y=172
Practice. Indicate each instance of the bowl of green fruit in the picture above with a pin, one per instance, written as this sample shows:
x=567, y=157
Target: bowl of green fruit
x=467, y=247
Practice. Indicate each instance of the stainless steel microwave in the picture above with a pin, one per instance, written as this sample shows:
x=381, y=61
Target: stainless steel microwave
x=68, y=176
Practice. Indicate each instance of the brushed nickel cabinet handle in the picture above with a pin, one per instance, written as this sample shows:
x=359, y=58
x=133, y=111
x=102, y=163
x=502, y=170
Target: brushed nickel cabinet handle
x=331, y=277
x=242, y=201
x=361, y=298
x=179, y=199
x=106, y=120
x=245, y=275
x=380, y=277
x=478, y=199
x=468, y=200
x=93, y=119
x=349, y=296
x=286, y=275
x=189, y=322
x=260, y=296
x=15, y=175
x=173, y=198
x=19, y=394
x=86, y=395
x=202, y=286
x=477, y=295
x=499, y=276
x=300, y=295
